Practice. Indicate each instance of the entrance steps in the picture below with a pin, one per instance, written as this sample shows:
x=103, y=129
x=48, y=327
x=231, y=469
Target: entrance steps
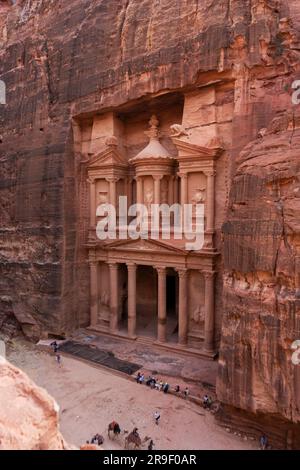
x=151, y=342
x=145, y=340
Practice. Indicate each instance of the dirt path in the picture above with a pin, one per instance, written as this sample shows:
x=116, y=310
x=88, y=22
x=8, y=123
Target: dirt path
x=90, y=398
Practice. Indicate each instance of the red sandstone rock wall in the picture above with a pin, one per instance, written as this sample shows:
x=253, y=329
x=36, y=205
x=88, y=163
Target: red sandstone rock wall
x=261, y=300
x=64, y=59
x=32, y=422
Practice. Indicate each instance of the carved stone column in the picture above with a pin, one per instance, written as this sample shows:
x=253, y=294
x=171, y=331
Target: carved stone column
x=209, y=323
x=184, y=188
x=114, y=297
x=157, y=180
x=93, y=208
x=171, y=190
x=131, y=268
x=129, y=191
x=176, y=189
x=113, y=191
x=162, y=305
x=139, y=190
x=94, y=292
x=210, y=222
x=183, y=311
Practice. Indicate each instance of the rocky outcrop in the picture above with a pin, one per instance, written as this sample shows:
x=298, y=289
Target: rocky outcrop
x=30, y=422
x=67, y=60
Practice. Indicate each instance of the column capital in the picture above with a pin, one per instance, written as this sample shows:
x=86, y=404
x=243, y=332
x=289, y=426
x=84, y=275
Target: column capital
x=210, y=173
x=112, y=179
x=91, y=180
x=182, y=272
x=157, y=177
x=113, y=265
x=131, y=266
x=93, y=262
x=161, y=269
x=209, y=274
x=182, y=175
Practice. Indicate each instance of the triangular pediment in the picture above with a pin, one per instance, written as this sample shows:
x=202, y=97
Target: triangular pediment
x=146, y=245
x=186, y=149
x=109, y=157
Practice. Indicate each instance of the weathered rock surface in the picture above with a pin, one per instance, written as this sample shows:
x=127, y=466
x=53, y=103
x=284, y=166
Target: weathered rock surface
x=65, y=59
x=28, y=415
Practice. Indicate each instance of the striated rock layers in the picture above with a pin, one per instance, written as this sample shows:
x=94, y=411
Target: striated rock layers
x=28, y=415
x=67, y=61
x=261, y=316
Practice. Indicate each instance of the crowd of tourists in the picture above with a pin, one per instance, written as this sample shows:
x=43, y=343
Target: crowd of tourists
x=160, y=385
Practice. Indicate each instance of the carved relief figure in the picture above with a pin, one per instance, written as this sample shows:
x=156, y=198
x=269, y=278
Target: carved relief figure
x=198, y=314
x=149, y=198
x=102, y=197
x=199, y=196
x=178, y=130
x=105, y=299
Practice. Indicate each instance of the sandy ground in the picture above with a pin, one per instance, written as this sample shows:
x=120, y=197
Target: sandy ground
x=90, y=398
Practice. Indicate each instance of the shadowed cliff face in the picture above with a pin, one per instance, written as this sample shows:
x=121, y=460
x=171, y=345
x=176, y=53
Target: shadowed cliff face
x=261, y=277
x=63, y=59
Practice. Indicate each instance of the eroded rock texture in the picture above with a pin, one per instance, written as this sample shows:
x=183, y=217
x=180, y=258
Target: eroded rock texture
x=62, y=60
x=32, y=422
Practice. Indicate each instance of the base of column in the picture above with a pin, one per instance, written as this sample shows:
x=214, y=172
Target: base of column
x=133, y=337
x=210, y=352
x=106, y=331
x=160, y=342
x=114, y=331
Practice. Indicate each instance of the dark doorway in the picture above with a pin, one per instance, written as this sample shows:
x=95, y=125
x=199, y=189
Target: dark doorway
x=172, y=305
x=171, y=295
x=146, y=301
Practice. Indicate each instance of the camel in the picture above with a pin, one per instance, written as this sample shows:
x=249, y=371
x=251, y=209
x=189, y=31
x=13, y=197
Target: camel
x=113, y=427
x=134, y=438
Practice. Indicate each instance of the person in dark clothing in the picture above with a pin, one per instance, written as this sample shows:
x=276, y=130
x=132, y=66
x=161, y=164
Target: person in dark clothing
x=138, y=377
x=54, y=346
x=150, y=445
x=263, y=442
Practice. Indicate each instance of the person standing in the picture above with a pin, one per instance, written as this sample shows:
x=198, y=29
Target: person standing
x=150, y=445
x=263, y=442
x=58, y=359
x=54, y=346
x=156, y=417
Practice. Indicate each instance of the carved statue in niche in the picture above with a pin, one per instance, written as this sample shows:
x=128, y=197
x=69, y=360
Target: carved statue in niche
x=102, y=197
x=149, y=198
x=104, y=300
x=199, y=196
x=198, y=315
x=104, y=312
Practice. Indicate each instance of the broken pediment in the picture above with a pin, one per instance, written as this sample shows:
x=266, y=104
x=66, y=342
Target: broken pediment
x=148, y=245
x=109, y=158
x=187, y=150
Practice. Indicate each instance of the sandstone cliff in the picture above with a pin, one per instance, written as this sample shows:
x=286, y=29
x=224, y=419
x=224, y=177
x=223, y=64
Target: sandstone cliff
x=28, y=415
x=65, y=59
